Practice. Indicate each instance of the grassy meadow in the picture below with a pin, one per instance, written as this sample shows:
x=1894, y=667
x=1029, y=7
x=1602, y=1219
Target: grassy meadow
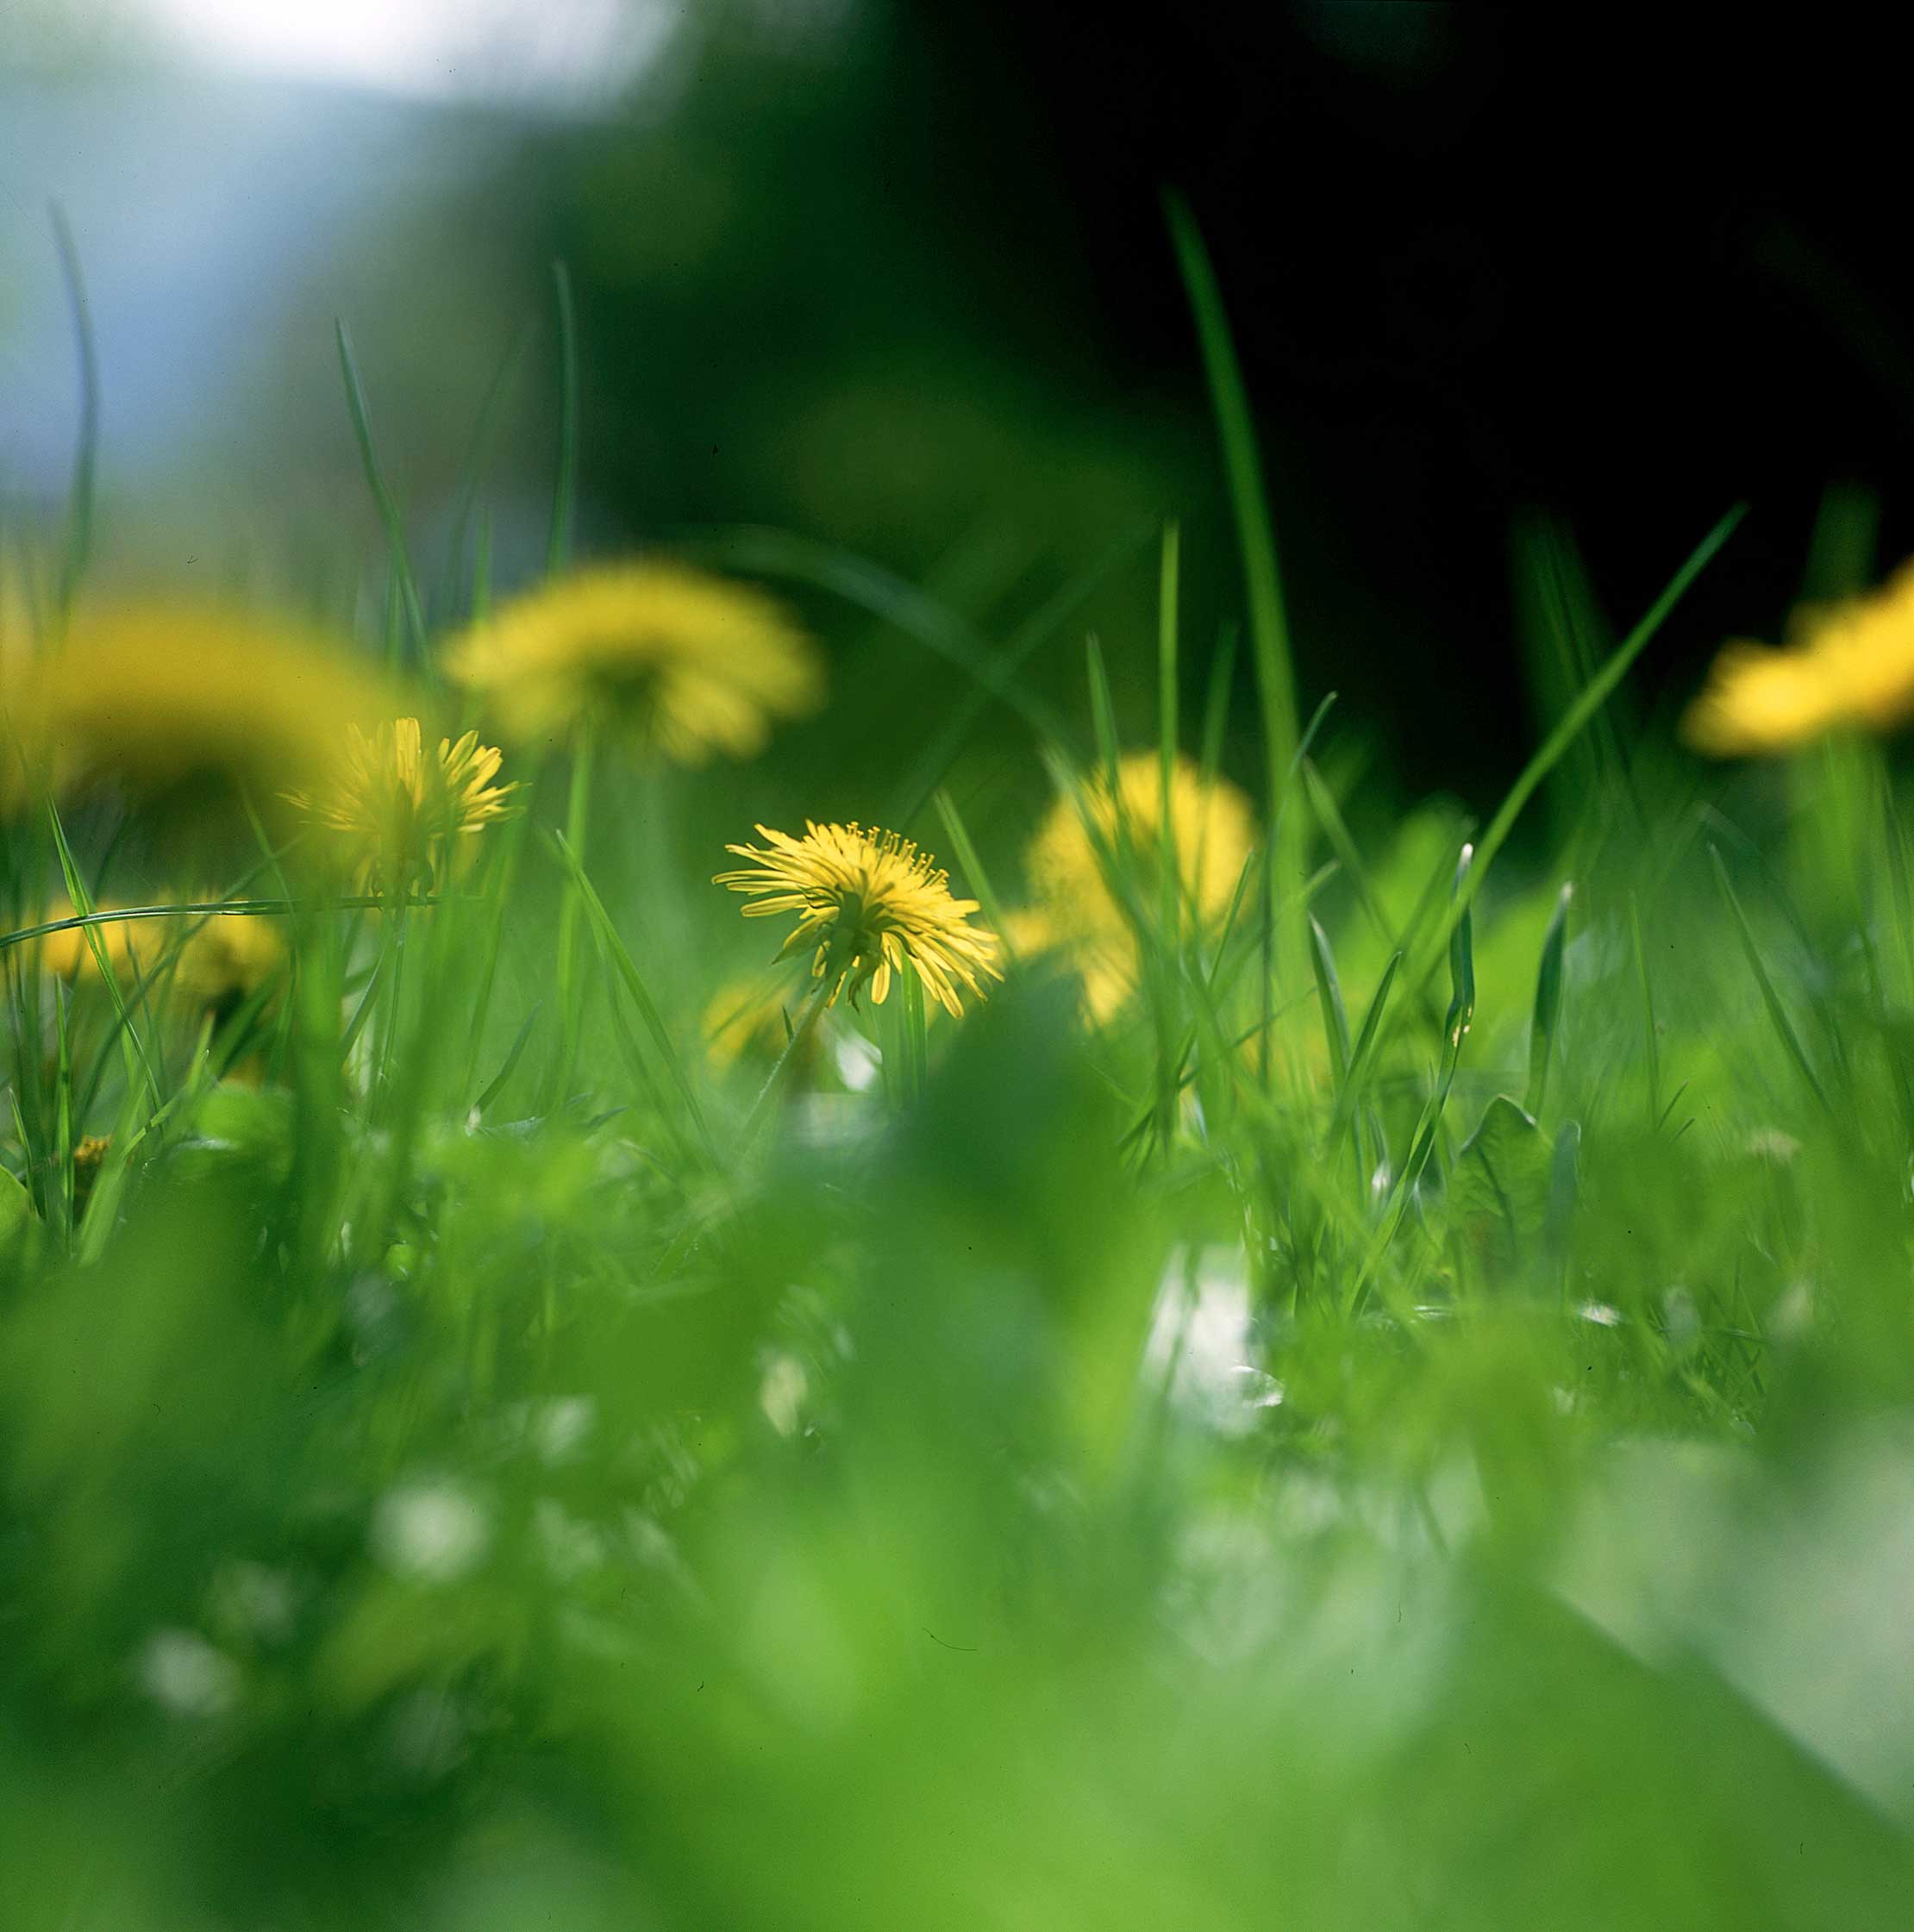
x=1173, y=1353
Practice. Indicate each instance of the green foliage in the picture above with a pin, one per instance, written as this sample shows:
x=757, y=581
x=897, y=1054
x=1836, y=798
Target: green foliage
x=473, y=1455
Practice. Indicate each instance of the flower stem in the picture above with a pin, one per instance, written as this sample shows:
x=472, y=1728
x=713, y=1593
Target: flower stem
x=807, y=1024
x=578, y=814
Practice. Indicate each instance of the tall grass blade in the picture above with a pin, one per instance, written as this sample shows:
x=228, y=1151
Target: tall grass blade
x=382, y=496
x=1546, y=1017
x=558, y=547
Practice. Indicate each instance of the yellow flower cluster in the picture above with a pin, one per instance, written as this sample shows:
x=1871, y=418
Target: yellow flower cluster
x=869, y=905
x=1853, y=667
x=668, y=656
x=1075, y=912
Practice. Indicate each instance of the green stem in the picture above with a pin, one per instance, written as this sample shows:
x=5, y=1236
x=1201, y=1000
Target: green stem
x=807, y=1025
x=577, y=814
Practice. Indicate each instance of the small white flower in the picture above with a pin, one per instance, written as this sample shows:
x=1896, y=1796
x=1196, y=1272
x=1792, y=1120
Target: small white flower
x=193, y=1678
x=781, y=1394
x=432, y=1531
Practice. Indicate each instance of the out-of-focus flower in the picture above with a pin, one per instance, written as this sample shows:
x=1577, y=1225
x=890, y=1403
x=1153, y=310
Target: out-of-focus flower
x=1851, y=664
x=399, y=814
x=1075, y=912
x=670, y=656
x=23, y=595
x=869, y=905
x=748, y=1018
x=130, y=945
x=218, y=959
x=226, y=959
x=153, y=697
x=89, y=1153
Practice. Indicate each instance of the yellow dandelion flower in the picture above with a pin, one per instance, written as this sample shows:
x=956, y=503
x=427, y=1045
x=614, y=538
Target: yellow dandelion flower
x=686, y=662
x=227, y=957
x=130, y=945
x=869, y=905
x=749, y=1018
x=153, y=697
x=398, y=815
x=1853, y=665
x=89, y=1153
x=218, y=959
x=1076, y=912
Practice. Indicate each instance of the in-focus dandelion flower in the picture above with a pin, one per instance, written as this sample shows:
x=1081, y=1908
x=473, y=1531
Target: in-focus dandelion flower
x=1083, y=839
x=669, y=656
x=155, y=699
x=869, y=906
x=399, y=814
x=1852, y=665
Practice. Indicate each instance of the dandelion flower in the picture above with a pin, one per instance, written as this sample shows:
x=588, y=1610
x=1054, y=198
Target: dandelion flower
x=218, y=960
x=89, y=1153
x=399, y=814
x=1853, y=665
x=1076, y=912
x=747, y=1019
x=156, y=696
x=675, y=659
x=68, y=954
x=226, y=958
x=869, y=905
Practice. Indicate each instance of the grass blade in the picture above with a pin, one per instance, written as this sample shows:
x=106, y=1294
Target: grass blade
x=618, y=955
x=1771, y=999
x=79, y=504
x=1547, y=1016
x=558, y=548
x=375, y=478
x=1651, y=1039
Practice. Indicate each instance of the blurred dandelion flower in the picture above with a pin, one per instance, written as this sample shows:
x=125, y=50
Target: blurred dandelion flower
x=226, y=958
x=1084, y=839
x=686, y=662
x=869, y=905
x=398, y=814
x=68, y=954
x=89, y=1153
x=1852, y=664
x=747, y=1019
x=220, y=960
x=156, y=696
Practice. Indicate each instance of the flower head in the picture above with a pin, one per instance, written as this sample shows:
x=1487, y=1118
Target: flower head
x=1070, y=862
x=679, y=659
x=224, y=959
x=1852, y=664
x=155, y=696
x=130, y=949
x=399, y=813
x=218, y=959
x=868, y=904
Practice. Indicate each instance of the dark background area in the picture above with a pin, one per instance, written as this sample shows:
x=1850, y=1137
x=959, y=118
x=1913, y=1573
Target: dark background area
x=1482, y=261
x=893, y=275
x=1482, y=265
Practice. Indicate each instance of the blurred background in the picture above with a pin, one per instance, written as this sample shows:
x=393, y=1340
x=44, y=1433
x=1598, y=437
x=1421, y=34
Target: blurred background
x=892, y=275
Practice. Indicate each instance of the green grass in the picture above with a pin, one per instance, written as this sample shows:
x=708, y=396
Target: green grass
x=1404, y=1430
